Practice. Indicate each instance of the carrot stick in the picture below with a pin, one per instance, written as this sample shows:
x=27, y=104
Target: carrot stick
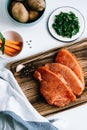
x=13, y=46
x=11, y=49
x=11, y=41
x=9, y=53
x=14, y=42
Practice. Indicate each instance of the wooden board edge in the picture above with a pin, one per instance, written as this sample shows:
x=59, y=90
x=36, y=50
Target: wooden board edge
x=41, y=53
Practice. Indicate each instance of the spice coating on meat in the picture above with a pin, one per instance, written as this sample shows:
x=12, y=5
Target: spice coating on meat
x=63, y=81
x=70, y=77
x=54, y=88
x=66, y=58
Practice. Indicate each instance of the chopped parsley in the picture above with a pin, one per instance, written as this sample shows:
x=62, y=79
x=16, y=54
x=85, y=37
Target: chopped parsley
x=66, y=24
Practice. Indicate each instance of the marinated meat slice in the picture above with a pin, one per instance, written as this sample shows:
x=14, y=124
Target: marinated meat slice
x=54, y=88
x=67, y=58
x=70, y=77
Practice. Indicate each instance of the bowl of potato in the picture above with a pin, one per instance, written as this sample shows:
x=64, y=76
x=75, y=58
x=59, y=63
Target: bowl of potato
x=26, y=11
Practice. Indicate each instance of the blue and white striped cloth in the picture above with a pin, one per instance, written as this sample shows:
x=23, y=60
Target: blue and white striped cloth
x=16, y=112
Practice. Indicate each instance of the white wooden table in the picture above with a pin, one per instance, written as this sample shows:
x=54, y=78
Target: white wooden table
x=41, y=41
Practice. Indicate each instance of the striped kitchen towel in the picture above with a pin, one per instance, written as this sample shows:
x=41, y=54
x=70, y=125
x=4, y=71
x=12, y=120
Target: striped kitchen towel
x=16, y=112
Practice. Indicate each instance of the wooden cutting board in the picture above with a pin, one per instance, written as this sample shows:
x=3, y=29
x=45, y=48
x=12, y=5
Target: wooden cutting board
x=31, y=87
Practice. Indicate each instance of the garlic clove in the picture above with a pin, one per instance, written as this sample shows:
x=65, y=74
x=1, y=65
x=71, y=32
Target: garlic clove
x=19, y=67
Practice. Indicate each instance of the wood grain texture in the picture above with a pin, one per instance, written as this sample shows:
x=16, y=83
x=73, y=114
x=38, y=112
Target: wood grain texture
x=31, y=87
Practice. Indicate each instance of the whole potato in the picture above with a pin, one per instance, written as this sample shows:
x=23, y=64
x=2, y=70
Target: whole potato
x=19, y=12
x=37, y=5
x=33, y=15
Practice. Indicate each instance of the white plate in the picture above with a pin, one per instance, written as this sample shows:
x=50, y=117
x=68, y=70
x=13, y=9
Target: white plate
x=66, y=9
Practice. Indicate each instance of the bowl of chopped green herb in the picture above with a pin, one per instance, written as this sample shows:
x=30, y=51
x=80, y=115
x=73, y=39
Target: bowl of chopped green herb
x=66, y=24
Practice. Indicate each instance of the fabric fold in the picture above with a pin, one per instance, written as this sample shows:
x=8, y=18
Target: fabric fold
x=16, y=112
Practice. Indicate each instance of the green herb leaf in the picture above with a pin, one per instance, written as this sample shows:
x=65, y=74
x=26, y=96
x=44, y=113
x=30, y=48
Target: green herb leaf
x=3, y=43
x=66, y=24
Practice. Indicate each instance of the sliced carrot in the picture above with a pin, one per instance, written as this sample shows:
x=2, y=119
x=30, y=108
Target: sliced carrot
x=12, y=45
x=11, y=41
x=11, y=49
x=9, y=53
x=14, y=42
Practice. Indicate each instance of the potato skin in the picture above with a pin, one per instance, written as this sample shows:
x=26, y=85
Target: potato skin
x=37, y=5
x=33, y=15
x=19, y=12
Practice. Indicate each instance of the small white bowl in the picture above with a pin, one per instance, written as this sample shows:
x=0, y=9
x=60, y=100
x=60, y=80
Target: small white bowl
x=13, y=36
